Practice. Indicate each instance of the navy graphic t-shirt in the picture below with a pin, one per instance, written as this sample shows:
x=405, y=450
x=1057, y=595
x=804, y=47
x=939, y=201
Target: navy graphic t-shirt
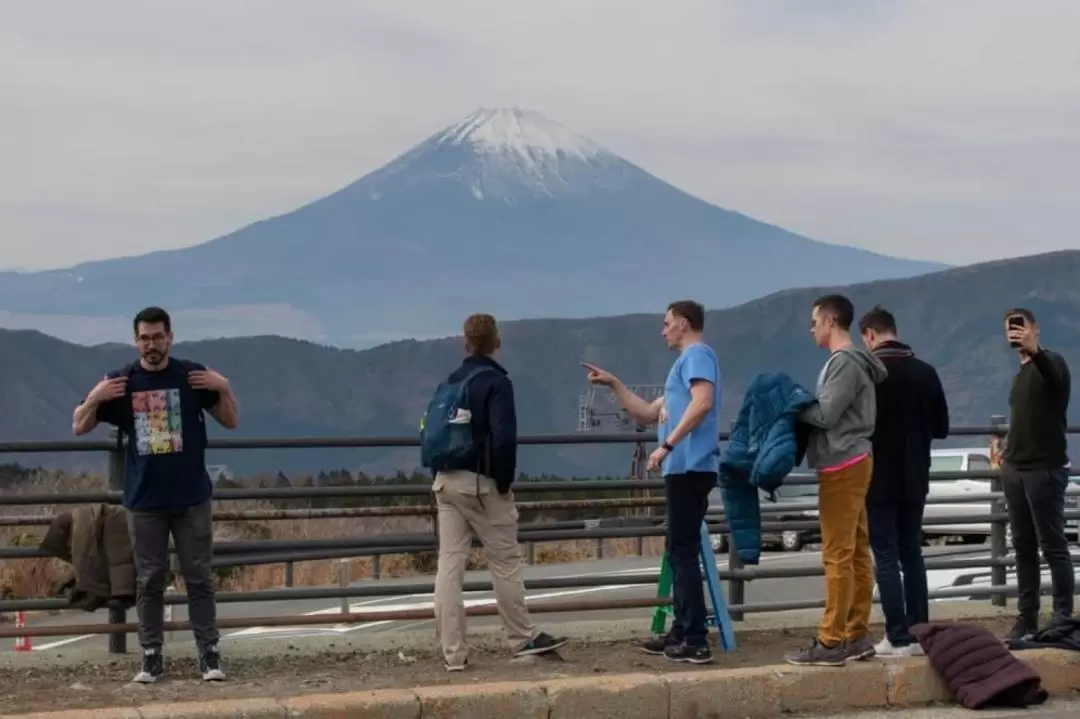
x=162, y=416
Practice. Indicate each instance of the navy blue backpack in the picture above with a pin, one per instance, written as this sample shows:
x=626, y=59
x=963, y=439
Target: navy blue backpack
x=446, y=430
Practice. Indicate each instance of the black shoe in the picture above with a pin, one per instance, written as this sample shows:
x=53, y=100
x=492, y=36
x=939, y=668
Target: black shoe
x=1022, y=629
x=153, y=666
x=658, y=644
x=861, y=649
x=210, y=665
x=543, y=644
x=686, y=653
x=819, y=655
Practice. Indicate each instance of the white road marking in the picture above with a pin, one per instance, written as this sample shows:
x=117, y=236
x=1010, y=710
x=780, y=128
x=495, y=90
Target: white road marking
x=358, y=609
x=61, y=642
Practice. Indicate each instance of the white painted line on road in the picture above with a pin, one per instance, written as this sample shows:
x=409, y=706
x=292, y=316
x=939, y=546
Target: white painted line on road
x=359, y=609
x=62, y=642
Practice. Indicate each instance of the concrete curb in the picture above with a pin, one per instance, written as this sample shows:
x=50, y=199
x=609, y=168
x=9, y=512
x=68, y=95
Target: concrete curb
x=745, y=693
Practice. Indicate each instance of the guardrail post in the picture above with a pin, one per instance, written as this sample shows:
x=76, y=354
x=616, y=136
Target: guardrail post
x=117, y=615
x=998, y=548
x=343, y=582
x=376, y=566
x=736, y=587
x=288, y=574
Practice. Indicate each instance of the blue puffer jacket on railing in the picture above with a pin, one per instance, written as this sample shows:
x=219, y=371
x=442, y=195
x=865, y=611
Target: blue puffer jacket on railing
x=767, y=442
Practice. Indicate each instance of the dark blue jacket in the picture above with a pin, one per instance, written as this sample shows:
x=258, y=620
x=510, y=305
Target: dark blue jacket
x=767, y=442
x=494, y=421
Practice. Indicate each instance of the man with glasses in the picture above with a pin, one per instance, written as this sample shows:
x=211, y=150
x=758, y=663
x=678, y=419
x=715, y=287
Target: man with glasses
x=158, y=402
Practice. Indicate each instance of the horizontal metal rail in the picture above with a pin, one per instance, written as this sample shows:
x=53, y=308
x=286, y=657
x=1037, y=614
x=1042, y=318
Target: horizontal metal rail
x=425, y=613
x=366, y=545
x=46, y=447
x=421, y=490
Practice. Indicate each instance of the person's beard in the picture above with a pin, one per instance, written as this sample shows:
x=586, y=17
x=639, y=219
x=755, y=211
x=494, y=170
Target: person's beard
x=154, y=357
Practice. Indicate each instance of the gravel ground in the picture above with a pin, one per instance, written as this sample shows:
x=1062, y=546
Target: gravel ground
x=289, y=669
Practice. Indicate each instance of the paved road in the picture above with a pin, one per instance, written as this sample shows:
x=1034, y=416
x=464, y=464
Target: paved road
x=771, y=590
x=1055, y=709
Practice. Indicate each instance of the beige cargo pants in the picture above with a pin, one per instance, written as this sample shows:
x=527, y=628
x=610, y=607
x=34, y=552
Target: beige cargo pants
x=470, y=504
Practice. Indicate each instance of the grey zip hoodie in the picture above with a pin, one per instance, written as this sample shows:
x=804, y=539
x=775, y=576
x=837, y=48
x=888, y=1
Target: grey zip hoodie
x=845, y=413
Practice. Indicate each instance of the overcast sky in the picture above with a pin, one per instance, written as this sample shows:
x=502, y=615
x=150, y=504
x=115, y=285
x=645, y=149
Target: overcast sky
x=941, y=129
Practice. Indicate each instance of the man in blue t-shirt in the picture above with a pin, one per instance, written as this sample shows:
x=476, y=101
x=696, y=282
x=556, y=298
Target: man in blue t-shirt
x=689, y=456
x=158, y=403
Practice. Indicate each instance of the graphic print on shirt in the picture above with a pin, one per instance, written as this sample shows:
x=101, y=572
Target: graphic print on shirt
x=158, y=423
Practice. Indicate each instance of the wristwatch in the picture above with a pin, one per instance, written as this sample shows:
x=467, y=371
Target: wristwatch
x=668, y=447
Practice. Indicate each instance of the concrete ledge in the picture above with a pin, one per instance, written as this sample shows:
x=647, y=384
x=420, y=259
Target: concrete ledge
x=747, y=693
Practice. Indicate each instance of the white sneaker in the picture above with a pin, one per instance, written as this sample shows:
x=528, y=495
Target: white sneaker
x=884, y=648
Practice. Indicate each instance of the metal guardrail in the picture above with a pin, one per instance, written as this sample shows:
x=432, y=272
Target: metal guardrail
x=237, y=553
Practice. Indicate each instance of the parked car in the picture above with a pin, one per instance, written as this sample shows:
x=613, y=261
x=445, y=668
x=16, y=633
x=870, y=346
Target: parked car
x=796, y=495
x=971, y=459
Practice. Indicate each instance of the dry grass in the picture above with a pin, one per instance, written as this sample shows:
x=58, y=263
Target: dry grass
x=40, y=577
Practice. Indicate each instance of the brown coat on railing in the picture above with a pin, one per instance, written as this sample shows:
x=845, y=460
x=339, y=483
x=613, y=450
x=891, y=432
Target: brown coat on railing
x=977, y=667
x=94, y=540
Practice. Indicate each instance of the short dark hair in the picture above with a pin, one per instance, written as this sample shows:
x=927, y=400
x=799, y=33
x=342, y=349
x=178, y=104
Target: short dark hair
x=1027, y=314
x=481, y=334
x=878, y=319
x=152, y=316
x=692, y=312
x=839, y=307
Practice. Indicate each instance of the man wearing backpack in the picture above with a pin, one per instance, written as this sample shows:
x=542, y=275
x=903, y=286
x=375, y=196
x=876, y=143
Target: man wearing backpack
x=469, y=439
x=158, y=402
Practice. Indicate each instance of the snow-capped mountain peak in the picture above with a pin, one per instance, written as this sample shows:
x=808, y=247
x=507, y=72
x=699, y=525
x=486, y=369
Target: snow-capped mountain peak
x=525, y=133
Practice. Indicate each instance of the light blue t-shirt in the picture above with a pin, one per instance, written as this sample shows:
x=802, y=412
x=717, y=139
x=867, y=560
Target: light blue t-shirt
x=699, y=451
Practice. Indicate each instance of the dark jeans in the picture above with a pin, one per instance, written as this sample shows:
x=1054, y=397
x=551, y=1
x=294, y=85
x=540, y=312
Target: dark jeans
x=1036, y=503
x=687, y=502
x=192, y=532
x=896, y=541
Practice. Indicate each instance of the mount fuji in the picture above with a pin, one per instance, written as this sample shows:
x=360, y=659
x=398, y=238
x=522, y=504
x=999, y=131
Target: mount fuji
x=506, y=211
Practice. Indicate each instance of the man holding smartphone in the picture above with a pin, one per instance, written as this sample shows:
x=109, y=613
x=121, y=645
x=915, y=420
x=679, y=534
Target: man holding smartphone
x=1034, y=472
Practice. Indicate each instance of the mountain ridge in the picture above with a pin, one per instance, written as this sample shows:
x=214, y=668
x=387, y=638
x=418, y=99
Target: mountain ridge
x=302, y=388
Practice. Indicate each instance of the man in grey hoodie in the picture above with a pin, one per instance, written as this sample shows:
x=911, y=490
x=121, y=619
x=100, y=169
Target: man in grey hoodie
x=842, y=423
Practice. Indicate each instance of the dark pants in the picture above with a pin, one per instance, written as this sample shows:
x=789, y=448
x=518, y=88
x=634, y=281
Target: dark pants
x=1036, y=503
x=192, y=532
x=896, y=541
x=687, y=502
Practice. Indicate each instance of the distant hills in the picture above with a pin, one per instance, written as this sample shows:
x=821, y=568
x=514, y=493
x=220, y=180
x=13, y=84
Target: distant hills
x=506, y=210
x=298, y=388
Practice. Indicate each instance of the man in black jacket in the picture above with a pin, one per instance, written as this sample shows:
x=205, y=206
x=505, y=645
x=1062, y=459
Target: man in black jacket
x=911, y=412
x=1034, y=476
x=474, y=496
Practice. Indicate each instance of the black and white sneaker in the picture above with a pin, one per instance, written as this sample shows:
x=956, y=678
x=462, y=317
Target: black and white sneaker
x=543, y=644
x=688, y=654
x=456, y=667
x=153, y=666
x=210, y=665
x=658, y=644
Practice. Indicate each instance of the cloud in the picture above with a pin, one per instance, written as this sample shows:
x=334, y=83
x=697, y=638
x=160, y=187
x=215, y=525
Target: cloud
x=924, y=128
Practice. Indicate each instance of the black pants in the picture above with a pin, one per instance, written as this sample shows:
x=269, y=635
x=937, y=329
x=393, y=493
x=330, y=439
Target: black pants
x=896, y=541
x=1036, y=502
x=192, y=531
x=687, y=502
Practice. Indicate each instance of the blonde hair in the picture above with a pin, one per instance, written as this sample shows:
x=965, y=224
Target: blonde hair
x=481, y=334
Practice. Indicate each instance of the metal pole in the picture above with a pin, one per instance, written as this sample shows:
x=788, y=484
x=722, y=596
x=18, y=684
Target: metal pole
x=736, y=587
x=343, y=582
x=998, y=548
x=288, y=574
x=117, y=615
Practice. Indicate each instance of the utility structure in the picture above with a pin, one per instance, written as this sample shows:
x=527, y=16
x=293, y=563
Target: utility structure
x=598, y=407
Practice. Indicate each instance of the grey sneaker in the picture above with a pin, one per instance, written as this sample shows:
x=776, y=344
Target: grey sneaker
x=819, y=655
x=861, y=649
